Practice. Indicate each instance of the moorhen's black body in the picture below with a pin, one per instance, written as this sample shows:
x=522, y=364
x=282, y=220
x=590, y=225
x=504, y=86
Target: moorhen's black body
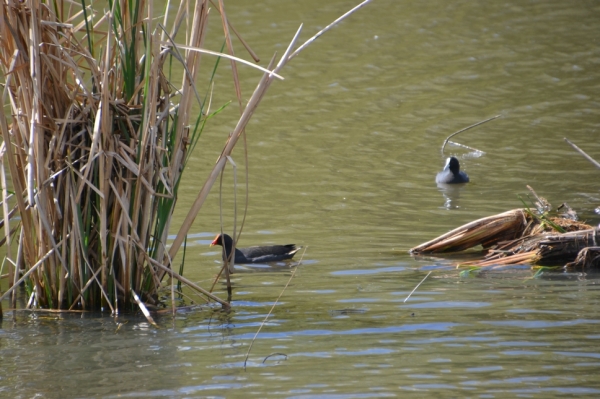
x=258, y=254
x=451, y=174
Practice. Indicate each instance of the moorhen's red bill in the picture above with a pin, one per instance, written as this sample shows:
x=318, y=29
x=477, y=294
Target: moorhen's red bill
x=259, y=254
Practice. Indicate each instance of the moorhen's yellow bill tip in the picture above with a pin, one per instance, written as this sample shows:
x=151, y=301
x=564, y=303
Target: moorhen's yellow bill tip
x=216, y=241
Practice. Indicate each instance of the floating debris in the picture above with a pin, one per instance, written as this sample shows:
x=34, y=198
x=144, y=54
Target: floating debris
x=587, y=258
x=519, y=236
x=486, y=232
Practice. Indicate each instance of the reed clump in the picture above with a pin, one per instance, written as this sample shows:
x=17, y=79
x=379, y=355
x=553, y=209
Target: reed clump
x=96, y=133
x=95, y=138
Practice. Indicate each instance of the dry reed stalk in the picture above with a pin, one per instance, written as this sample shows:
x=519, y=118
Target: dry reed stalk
x=486, y=231
x=417, y=286
x=585, y=155
x=6, y=214
x=240, y=38
x=463, y=130
x=504, y=260
x=228, y=264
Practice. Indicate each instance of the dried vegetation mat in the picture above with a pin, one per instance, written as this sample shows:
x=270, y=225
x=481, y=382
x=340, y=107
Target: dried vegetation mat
x=520, y=236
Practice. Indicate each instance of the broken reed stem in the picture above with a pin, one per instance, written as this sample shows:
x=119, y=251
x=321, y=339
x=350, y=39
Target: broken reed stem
x=190, y=283
x=228, y=261
x=467, y=128
x=331, y=25
x=414, y=289
x=229, y=57
x=46, y=310
x=507, y=224
x=240, y=38
x=273, y=307
x=143, y=308
x=238, y=92
x=579, y=150
x=27, y=273
x=231, y=260
x=234, y=71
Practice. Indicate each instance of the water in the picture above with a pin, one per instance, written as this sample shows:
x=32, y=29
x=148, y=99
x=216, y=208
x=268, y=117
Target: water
x=343, y=156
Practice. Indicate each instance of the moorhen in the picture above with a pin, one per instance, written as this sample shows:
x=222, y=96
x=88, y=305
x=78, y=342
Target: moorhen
x=258, y=254
x=451, y=174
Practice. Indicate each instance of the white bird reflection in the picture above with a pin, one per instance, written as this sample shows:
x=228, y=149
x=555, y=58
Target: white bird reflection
x=451, y=193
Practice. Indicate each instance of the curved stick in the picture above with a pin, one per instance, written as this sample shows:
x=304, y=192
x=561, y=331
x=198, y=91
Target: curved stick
x=467, y=128
x=586, y=156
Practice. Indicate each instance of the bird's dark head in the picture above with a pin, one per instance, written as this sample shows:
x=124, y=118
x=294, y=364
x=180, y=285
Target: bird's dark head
x=222, y=238
x=453, y=165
